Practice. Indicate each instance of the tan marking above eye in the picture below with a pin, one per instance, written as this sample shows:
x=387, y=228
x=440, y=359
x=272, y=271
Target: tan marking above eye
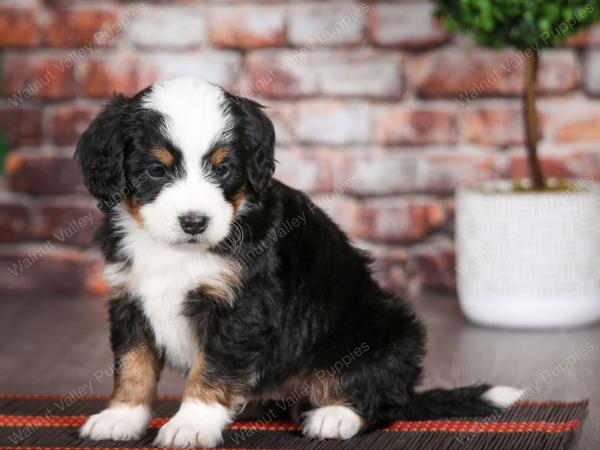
x=164, y=156
x=218, y=156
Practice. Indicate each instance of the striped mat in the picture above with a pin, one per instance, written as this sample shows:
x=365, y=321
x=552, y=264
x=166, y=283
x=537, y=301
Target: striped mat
x=51, y=421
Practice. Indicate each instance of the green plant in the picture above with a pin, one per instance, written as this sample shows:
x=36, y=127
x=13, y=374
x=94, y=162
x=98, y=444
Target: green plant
x=529, y=26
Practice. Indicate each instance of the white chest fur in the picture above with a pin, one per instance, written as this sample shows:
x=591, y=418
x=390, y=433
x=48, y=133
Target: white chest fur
x=161, y=276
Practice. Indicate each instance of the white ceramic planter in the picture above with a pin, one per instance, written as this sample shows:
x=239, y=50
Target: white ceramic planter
x=529, y=260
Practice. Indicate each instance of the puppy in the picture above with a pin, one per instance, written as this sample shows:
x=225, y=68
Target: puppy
x=239, y=281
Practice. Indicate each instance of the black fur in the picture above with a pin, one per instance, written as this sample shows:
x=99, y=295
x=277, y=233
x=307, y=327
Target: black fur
x=104, y=148
x=255, y=134
x=308, y=301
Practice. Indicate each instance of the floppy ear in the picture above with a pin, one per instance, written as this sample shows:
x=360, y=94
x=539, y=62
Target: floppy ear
x=258, y=137
x=100, y=153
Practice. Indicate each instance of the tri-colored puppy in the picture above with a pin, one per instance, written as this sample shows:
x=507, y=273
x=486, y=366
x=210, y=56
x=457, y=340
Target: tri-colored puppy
x=239, y=281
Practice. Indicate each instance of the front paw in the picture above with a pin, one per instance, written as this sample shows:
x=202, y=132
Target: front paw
x=196, y=424
x=118, y=423
x=332, y=422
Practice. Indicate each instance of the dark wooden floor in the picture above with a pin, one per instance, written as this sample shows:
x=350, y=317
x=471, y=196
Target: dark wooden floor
x=61, y=345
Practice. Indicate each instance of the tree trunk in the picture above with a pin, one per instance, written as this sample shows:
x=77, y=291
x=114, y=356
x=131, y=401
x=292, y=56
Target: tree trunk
x=531, y=121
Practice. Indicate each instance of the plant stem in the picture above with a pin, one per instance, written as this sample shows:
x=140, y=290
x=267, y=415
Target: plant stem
x=531, y=121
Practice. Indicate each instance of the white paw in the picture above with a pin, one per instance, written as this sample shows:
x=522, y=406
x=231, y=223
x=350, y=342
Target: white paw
x=503, y=396
x=118, y=423
x=332, y=422
x=196, y=424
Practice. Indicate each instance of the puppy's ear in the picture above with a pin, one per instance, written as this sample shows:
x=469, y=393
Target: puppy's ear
x=100, y=153
x=258, y=136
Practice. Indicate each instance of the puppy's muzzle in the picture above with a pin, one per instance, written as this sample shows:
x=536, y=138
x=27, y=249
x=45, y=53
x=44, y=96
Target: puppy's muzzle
x=193, y=223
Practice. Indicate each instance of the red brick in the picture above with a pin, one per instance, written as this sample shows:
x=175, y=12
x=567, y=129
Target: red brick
x=586, y=38
x=326, y=23
x=382, y=173
x=68, y=122
x=404, y=125
x=18, y=26
x=43, y=174
x=309, y=171
x=571, y=121
x=580, y=126
x=15, y=220
x=592, y=73
x=68, y=222
x=85, y=27
x=402, y=220
x=447, y=172
x=41, y=269
x=435, y=264
x=377, y=173
x=49, y=78
x=559, y=72
x=500, y=125
x=344, y=211
x=53, y=4
x=405, y=25
x=124, y=74
x=282, y=115
x=219, y=67
x=247, y=26
x=127, y=74
x=302, y=73
x=332, y=122
x=584, y=164
x=469, y=74
x=177, y=27
x=571, y=164
x=587, y=129
x=552, y=165
x=21, y=126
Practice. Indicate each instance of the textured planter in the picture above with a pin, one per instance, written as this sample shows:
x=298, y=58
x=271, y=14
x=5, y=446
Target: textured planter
x=529, y=260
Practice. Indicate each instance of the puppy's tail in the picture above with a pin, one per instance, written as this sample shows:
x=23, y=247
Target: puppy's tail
x=471, y=401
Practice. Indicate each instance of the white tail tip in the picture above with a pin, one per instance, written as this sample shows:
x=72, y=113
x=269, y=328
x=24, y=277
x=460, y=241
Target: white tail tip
x=503, y=396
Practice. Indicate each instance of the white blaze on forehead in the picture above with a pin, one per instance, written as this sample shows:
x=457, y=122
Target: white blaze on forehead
x=196, y=118
x=195, y=115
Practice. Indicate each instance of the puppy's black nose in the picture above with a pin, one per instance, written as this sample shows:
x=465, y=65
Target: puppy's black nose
x=193, y=223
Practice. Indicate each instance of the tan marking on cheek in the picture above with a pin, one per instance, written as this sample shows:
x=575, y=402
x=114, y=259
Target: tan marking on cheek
x=238, y=198
x=218, y=156
x=199, y=388
x=134, y=209
x=164, y=156
x=136, y=377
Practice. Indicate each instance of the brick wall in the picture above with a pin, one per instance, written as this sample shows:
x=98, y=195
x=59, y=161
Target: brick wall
x=380, y=115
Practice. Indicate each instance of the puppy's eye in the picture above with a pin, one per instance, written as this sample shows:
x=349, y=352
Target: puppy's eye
x=221, y=171
x=156, y=171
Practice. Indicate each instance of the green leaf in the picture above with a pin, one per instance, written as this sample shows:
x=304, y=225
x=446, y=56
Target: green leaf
x=518, y=23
